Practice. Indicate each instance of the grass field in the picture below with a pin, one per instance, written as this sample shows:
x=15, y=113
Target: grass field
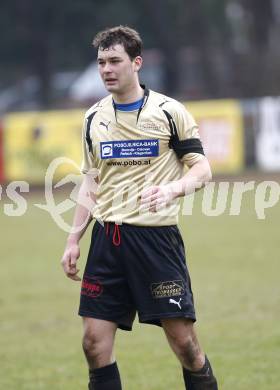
x=235, y=269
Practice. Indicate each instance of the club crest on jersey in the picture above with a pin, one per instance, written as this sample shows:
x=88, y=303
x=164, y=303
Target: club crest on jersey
x=129, y=148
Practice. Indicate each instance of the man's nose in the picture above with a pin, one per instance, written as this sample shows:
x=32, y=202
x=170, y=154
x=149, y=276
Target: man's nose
x=107, y=68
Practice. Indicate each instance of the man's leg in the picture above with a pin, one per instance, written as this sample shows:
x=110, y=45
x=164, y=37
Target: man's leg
x=182, y=338
x=98, y=343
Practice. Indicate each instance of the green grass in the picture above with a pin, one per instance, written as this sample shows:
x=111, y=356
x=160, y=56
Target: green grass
x=234, y=264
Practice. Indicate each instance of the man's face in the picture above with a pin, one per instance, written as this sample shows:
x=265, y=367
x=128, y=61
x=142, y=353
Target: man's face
x=116, y=69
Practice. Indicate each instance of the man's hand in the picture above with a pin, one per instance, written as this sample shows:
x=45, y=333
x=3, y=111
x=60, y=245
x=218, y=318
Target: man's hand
x=69, y=261
x=157, y=197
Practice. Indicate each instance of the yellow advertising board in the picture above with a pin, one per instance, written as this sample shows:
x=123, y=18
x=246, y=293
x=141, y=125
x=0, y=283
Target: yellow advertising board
x=33, y=140
x=221, y=130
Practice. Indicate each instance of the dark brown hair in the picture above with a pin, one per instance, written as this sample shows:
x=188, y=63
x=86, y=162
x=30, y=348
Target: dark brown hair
x=123, y=35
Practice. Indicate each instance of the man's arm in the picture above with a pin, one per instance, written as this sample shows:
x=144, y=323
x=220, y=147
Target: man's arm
x=82, y=218
x=198, y=175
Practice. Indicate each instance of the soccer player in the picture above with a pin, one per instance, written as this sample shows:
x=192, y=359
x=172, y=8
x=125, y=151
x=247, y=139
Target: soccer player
x=139, y=141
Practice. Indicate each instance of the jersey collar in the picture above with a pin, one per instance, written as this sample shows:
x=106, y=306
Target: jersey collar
x=140, y=107
x=129, y=106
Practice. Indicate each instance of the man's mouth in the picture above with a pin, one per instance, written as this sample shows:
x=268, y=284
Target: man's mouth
x=110, y=80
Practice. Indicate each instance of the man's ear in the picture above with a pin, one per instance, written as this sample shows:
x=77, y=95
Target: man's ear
x=138, y=63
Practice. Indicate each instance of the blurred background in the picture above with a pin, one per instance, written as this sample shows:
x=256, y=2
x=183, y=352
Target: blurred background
x=221, y=58
x=194, y=49
x=221, y=50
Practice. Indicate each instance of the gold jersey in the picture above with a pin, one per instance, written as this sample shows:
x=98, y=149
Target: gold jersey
x=136, y=146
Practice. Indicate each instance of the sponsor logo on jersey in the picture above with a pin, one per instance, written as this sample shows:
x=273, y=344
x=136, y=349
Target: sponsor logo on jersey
x=128, y=163
x=146, y=126
x=91, y=287
x=173, y=288
x=105, y=124
x=129, y=148
x=178, y=303
x=106, y=150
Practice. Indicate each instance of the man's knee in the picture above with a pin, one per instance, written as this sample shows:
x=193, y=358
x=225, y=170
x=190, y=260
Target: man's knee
x=95, y=344
x=92, y=345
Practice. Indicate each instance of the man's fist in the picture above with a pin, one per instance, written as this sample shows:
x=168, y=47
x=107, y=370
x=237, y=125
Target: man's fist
x=69, y=261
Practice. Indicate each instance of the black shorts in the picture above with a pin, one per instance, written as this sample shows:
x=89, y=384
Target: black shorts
x=132, y=268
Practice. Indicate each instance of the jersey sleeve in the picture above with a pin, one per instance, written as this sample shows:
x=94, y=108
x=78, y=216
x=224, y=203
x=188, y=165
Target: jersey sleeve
x=87, y=155
x=185, y=139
